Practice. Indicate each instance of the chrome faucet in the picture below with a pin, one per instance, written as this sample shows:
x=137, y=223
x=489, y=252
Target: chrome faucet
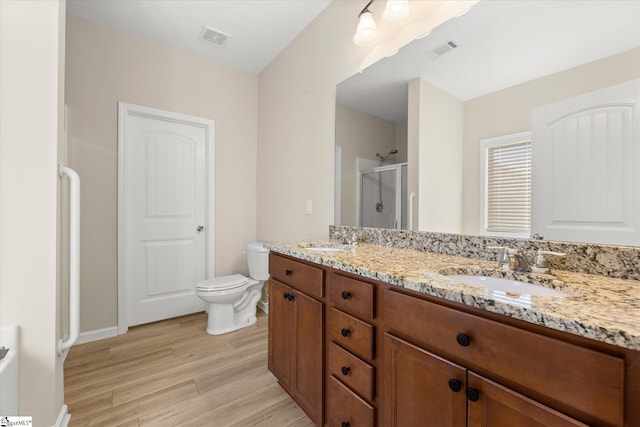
x=511, y=259
x=541, y=264
x=517, y=262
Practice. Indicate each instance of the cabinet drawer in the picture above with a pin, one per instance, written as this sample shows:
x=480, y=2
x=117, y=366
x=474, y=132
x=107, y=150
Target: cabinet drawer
x=584, y=383
x=352, y=296
x=351, y=333
x=301, y=276
x=352, y=371
x=345, y=408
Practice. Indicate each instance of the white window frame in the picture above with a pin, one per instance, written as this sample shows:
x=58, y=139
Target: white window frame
x=485, y=144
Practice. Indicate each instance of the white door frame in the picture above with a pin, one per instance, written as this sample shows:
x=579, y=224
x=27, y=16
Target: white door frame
x=124, y=210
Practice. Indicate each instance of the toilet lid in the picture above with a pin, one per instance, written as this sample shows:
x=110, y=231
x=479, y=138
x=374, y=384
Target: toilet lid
x=222, y=283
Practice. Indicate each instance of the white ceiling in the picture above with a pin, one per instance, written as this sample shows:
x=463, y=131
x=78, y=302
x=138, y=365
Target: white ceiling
x=501, y=44
x=259, y=29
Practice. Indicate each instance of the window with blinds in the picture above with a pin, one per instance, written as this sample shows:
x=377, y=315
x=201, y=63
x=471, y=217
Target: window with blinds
x=507, y=185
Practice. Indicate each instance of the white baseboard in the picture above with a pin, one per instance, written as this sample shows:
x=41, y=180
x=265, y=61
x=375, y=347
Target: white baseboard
x=63, y=417
x=96, y=335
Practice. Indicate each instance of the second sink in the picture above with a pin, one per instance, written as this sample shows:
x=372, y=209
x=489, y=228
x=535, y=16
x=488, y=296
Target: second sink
x=508, y=286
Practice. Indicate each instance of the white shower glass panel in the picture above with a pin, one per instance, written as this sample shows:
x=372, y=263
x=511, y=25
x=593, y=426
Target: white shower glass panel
x=383, y=198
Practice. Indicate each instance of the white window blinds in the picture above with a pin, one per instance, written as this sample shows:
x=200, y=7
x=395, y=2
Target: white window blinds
x=508, y=188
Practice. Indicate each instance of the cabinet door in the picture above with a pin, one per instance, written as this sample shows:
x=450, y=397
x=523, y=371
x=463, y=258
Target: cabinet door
x=498, y=406
x=307, y=347
x=280, y=336
x=421, y=388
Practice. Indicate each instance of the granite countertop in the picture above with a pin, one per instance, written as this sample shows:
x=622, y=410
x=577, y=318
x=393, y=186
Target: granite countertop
x=599, y=307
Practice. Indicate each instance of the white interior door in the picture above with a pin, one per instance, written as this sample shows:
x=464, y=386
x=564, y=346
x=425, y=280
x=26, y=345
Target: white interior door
x=586, y=167
x=164, y=223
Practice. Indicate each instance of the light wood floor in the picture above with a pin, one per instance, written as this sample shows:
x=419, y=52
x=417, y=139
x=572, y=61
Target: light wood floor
x=172, y=373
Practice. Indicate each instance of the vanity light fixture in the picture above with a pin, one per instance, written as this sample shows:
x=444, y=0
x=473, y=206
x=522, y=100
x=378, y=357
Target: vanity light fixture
x=367, y=32
x=396, y=10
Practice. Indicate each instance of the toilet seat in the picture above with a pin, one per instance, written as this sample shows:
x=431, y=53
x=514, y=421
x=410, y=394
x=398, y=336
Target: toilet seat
x=223, y=283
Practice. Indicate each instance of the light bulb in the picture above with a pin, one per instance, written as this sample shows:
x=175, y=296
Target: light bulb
x=396, y=10
x=366, y=32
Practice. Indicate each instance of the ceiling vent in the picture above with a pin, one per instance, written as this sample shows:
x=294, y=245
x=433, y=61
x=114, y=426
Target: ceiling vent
x=214, y=37
x=441, y=50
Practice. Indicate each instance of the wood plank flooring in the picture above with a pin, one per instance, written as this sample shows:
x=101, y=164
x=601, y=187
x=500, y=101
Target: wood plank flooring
x=172, y=373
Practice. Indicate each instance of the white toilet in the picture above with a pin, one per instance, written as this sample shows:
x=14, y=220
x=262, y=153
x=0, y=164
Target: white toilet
x=231, y=300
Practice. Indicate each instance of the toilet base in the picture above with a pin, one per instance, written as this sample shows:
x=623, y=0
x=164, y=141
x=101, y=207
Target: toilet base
x=217, y=330
x=225, y=318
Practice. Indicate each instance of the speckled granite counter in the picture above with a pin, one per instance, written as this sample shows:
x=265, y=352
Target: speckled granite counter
x=600, y=308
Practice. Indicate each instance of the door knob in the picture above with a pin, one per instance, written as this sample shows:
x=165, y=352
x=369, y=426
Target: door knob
x=200, y=228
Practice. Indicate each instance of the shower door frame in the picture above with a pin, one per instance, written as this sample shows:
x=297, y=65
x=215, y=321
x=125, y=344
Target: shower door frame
x=398, y=202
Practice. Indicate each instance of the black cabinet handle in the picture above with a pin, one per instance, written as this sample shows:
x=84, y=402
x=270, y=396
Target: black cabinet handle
x=345, y=332
x=288, y=272
x=290, y=297
x=345, y=424
x=463, y=340
x=345, y=370
x=285, y=296
x=455, y=385
x=472, y=394
x=346, y=294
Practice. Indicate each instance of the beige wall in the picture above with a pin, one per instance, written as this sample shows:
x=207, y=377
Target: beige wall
x=509, y=111
x=401, y=142
x=296, y=104
x=413, y=153
x=31, y=70
x=359, y=135
x=106, y=66
x=440, y=160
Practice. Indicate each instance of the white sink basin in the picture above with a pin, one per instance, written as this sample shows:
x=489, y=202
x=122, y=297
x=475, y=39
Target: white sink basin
x=508, y=286
x=325, y=249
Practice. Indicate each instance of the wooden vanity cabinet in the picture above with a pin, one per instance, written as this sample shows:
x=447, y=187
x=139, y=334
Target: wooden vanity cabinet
x=420, y=386
x=296, y=332
x=350, y=358
x=494, y=405
x=535, y=379
x=360, y=353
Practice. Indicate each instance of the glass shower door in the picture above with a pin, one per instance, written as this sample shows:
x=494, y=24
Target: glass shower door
x=379, y=199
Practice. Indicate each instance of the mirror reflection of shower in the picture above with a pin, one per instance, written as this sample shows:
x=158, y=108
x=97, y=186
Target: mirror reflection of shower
x=381, y=195
x=379, y=205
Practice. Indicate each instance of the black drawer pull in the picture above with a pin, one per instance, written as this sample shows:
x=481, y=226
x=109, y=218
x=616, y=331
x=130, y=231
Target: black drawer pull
x=472, y=394
x=455, y=385
x=290, y=297
x=463, y=340
x=345, y=370
x=346, y=294
x=345, y=424
x=285, y=296
x=345, y=332
x=288, y=272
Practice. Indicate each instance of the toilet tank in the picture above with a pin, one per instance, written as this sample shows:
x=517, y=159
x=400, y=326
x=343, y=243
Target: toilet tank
x=257, y=260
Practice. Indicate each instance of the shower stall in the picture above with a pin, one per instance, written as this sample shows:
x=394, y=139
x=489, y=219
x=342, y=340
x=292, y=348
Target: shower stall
x=382, y=197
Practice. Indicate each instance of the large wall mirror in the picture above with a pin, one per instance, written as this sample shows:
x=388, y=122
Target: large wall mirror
x=421, y=135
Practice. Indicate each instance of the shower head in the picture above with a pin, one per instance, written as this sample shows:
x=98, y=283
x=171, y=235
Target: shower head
x=383, y=158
